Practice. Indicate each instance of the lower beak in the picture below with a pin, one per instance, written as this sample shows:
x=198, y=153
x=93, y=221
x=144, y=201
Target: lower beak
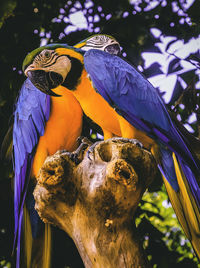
x=45, y=81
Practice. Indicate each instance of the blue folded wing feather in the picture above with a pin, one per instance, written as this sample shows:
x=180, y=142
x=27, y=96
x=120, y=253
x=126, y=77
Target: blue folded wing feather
x=30, y=116
x=124, y=88
x=123, y=84
x=134, y=97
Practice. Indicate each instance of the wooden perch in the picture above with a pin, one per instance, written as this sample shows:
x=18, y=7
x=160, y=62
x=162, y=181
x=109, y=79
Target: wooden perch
x=93, y=196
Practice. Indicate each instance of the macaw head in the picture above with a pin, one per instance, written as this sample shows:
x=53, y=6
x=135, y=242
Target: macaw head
x=102, y=42
x=50, y=66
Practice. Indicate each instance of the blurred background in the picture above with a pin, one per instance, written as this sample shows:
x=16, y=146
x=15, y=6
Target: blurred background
x=162, y=39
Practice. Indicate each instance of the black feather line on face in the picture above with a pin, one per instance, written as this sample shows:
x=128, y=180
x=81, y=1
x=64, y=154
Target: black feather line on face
x=50, y=61
x=95, y=45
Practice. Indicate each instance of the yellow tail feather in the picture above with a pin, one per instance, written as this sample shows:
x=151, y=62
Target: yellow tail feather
x=176, y=204
x=190, y=204
x=47, y=246
x=185, y=207
x=27, y=238
x=37, y=251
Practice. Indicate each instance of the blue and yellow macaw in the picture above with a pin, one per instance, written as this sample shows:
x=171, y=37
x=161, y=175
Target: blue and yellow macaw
x=42, y=125
x=40, y=129
x=120, y=100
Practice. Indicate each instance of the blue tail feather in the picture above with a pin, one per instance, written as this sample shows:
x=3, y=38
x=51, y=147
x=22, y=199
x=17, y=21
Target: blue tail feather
x=36, y=223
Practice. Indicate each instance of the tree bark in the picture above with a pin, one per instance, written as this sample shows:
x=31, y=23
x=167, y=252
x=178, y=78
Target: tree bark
x=92, y=195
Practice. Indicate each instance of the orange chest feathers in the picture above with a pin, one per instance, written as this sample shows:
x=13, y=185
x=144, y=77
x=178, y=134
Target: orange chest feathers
x=62, y=129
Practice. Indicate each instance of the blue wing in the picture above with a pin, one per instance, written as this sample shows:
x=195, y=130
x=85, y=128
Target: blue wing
x=133, y=97
x=136, y=100
x=30, y=116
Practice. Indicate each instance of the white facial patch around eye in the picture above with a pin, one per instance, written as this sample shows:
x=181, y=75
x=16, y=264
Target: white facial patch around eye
x=100, y=42
x=45, y=58
x=52, y=62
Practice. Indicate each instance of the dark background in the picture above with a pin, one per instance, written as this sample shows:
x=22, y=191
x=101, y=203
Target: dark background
x=22, y=25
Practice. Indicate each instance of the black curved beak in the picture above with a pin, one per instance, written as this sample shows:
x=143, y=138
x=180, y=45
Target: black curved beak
x=113, y=49
x=45, y=81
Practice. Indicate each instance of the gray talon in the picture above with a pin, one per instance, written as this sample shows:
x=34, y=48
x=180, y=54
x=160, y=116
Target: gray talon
x=115, y=139
x=138, y=143
x=62, y=151
x=76, y=156
x=80, y=139
x=91, y=149
x=126, y=140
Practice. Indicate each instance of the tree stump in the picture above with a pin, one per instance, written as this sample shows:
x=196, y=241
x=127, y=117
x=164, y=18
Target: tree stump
x=92, y=195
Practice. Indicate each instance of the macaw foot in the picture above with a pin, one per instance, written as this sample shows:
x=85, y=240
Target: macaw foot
x=115, y=139
x=91, y=150
x=126, y=140
x=77, y=155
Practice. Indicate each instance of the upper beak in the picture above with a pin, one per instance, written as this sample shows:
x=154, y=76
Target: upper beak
x=113, y=48
x=45, y=81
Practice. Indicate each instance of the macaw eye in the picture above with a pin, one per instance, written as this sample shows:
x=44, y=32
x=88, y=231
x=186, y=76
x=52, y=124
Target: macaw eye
x=47, y=54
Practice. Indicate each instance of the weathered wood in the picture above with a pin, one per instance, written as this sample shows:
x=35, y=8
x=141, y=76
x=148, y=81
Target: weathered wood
x=93, y=197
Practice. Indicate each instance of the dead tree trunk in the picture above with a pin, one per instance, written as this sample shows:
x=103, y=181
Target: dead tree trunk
x=93, y=196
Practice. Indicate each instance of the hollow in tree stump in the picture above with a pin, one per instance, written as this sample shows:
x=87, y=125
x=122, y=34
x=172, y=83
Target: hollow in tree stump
x=93, y=195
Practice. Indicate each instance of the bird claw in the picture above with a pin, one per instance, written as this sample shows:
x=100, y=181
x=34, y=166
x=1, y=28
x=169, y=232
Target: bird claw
x=115, y=139
x=91, y=149
x=126, y=140
x=80, y=140
x=74, y=158
x=77, y=155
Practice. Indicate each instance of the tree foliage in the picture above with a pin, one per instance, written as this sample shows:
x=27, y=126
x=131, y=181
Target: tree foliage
x=24, y=24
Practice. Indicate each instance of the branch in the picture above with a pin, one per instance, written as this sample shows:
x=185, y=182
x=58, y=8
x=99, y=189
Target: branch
x=94, y=200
